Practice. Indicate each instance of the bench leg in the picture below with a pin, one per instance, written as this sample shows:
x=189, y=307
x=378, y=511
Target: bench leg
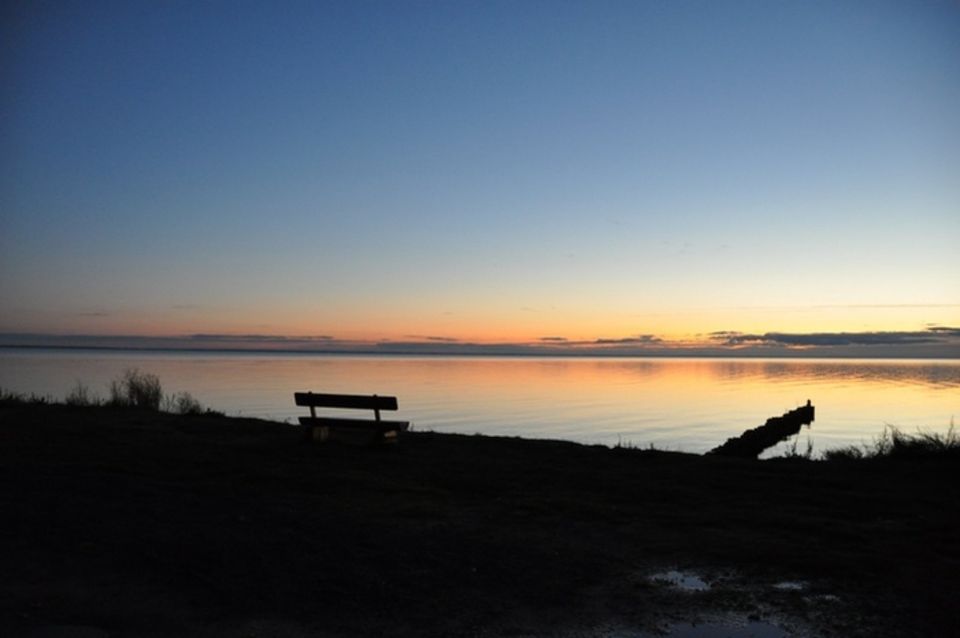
x=324, y=433
x=317, y=433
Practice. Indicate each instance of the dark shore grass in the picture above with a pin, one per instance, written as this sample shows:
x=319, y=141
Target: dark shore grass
x=894, y=443
x=146, y=523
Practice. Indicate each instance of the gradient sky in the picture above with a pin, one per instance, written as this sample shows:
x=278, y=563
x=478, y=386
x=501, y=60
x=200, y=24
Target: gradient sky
x=479, y=171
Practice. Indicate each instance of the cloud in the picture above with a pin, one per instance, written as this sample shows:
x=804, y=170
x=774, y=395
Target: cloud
x=637, y=340
x=945, y=330
x=821, y=339
x=447, y=347
x=226, y=338
x=93, y=314
x=889, y=305
x=933, y=342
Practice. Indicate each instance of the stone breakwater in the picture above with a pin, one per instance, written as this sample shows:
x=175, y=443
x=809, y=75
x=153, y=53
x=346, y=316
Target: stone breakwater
x=754, y=441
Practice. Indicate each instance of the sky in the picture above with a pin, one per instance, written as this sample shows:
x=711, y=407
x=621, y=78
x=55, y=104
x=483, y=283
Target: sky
x=647, y=176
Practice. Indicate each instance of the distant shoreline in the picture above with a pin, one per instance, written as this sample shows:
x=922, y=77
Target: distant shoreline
x=374, y=352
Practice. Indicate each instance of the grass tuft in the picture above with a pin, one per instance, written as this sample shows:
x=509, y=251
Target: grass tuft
x=183, y=403
x=80, y=396
x=794, y=453
x=132, y=389
x=894, y=443
x=8, y=397
x=137, y=390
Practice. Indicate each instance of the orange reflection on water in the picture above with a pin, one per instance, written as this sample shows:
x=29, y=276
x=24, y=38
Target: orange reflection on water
x=687, y=404
x=675, y=402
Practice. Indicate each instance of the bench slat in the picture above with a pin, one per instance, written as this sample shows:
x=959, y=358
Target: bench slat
x=359, y=401
x=360, y=424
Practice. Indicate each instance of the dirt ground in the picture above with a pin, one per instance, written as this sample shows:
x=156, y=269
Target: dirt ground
x=125, y=523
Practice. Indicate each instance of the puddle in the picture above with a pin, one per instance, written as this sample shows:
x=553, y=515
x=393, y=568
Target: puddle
x=720, y=614
x=687, y=581
x=726, y=630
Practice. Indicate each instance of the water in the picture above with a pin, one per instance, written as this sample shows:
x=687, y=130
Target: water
x=680, y=404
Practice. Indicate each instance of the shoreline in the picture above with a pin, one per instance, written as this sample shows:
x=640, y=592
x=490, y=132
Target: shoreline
x=145, y=523
x=797, y=355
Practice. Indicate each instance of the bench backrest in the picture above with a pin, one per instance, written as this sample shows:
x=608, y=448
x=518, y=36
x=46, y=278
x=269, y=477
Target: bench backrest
x=358, y=401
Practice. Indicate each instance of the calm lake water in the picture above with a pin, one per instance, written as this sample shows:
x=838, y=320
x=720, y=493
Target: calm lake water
x=682, y=404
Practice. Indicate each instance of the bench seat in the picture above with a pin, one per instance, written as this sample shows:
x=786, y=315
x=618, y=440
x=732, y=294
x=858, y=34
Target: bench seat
x=346, y=430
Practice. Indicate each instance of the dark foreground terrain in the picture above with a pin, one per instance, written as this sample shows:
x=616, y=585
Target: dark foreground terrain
x=124, y=523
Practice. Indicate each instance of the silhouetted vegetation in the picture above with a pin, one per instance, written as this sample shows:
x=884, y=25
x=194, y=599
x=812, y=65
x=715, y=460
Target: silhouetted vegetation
x=183, y=403
x=795, y=453
x=80, y=396
x=137, y=390
x=896, y=444
x=133, y=389
x=8, y=397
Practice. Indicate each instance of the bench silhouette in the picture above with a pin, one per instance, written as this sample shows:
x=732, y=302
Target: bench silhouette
x=356, y=431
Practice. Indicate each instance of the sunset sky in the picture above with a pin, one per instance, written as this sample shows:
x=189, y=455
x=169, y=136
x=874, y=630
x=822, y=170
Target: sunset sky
x=648, y=175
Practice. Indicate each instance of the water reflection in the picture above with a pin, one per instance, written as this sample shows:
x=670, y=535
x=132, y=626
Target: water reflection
x=928, y=373
x=940, y=374
x=686, y=404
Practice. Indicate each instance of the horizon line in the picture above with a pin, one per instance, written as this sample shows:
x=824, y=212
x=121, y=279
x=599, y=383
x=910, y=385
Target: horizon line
x=822, y=352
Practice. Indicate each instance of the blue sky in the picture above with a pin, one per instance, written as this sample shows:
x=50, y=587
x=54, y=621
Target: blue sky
x=487, y=172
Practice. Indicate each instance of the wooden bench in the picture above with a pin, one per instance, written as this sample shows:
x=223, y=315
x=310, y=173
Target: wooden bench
x=356, y=431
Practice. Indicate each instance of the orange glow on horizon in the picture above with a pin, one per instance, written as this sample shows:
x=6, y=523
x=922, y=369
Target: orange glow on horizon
x=676, y=328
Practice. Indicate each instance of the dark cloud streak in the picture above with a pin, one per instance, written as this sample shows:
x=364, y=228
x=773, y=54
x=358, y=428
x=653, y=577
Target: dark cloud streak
x=829, y=339
x=259, y=338
x=637, y=340
x=933, y=342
